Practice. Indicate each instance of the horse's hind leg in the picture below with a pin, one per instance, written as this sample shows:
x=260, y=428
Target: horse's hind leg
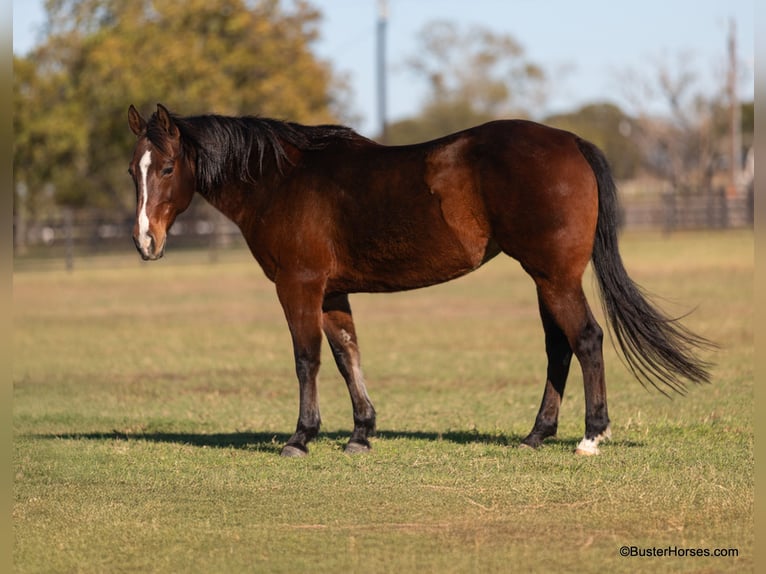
x=559, y=358
x=338, y=326
x=569, y=309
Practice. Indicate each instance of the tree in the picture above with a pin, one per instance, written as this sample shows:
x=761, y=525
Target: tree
x=608, y=127
x=197, y=56
x=436, y=119
x=473, y=75
x=681, y=132
x=49, y=139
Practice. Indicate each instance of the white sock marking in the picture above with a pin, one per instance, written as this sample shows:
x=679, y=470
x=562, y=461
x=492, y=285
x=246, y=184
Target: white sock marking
x=590, y=446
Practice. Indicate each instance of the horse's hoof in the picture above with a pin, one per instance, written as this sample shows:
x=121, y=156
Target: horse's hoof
x=533, y=441
x=293, y=451
x=357, y=448
x=526, y=446
x=589, y=446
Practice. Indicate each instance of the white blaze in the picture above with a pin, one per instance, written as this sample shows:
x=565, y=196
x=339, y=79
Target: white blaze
x=143, y=219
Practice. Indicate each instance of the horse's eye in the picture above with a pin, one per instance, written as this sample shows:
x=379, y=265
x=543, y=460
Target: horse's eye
x=167, y=170
x=130, y=171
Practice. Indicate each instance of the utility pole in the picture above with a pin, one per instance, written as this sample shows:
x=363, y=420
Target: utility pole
x=735, y=134
x=381, y=67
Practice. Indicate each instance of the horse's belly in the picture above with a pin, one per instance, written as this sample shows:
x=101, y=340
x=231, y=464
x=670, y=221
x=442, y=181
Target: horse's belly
x=384, y=277
x=435, y=230
x=418, y=257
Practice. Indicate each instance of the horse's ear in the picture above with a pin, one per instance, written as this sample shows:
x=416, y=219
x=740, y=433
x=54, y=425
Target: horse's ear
x=136, y=122
x=166, y=121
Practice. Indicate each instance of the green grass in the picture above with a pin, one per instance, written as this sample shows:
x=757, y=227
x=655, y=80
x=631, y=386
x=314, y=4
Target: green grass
x=151, y=401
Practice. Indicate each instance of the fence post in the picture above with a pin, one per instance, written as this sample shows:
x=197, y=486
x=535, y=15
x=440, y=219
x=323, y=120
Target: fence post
x=723, y=199
x=213, y=240
x=669, y=212
x=69, y=237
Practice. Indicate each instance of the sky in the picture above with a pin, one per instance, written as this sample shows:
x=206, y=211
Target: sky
x=584, y=46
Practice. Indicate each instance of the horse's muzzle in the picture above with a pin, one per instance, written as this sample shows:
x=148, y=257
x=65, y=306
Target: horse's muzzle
x=148, y=248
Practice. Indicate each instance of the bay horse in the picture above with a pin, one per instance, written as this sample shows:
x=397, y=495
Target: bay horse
x=327, y=212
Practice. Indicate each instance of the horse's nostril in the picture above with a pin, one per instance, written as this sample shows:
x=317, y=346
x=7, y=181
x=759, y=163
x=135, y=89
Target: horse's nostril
x=145, y=244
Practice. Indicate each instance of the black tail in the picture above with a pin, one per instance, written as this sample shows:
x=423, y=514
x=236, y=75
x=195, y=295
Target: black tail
x=657, y=348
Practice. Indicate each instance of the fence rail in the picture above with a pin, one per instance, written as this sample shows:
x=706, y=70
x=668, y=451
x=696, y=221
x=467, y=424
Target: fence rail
x=91, y=233
x=670, y=212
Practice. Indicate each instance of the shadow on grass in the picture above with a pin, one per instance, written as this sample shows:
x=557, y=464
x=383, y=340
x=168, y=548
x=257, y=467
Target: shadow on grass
x=273, y=442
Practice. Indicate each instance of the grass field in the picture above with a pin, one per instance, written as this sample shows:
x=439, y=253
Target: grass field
x=151, y=401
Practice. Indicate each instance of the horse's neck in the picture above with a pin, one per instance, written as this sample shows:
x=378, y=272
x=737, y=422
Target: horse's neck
x=238, y=201
x=242, y=201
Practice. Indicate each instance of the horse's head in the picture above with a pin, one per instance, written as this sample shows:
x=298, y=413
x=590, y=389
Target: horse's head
x=163, y=176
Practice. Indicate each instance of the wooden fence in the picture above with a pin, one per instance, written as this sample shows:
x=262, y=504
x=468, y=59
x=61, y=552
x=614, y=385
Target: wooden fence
x=669, y=212
x=87, y=232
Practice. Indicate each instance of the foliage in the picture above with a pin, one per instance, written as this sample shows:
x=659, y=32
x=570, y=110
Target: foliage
x=150, y=403
x=50, y=141
x=434, y=120
x=474, y=75
x=227, y=56
x=608, y=127
x=682, y=132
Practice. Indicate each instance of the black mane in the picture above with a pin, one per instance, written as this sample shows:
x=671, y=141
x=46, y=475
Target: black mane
x=224, y=146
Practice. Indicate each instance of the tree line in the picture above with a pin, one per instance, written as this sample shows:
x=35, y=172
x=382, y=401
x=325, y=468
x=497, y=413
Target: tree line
x=229, y=56
x=256, y=57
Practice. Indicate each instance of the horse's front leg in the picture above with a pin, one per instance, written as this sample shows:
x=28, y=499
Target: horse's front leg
x=302, y=304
